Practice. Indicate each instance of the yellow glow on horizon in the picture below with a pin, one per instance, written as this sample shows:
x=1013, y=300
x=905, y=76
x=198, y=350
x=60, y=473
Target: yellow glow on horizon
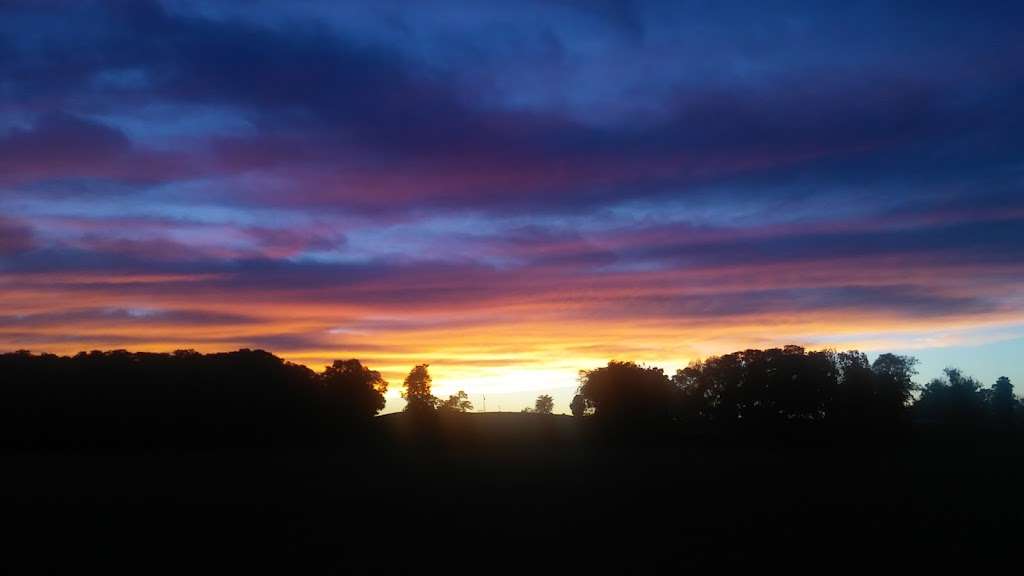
x=533, y=341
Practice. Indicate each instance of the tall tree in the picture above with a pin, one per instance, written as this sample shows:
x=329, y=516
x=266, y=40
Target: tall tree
x=1003, y=401
x=894, y=383
x=417, y=390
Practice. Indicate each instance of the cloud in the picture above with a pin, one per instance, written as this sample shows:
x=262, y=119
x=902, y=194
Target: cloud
x=61, y=145
x=142, y=315
x=15, y=237
x=336, y=121
x=558, y=179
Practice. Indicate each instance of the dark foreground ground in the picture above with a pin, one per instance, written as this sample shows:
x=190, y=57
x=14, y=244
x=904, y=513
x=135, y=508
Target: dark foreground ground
x=502, y=492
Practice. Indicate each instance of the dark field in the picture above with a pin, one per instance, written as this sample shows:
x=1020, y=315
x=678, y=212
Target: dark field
x=461, y=492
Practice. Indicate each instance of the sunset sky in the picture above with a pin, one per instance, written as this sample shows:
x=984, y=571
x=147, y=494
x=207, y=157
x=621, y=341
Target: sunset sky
x=514, y=191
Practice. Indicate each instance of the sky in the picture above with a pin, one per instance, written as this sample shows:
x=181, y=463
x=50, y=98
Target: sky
x=514, y=191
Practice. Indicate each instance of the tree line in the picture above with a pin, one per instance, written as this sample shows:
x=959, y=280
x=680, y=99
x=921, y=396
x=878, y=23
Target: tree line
x=190, y=400
x=182, y=399
x=790, y=384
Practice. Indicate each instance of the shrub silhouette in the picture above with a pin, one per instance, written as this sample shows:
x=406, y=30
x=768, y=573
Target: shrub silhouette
x=458, y=402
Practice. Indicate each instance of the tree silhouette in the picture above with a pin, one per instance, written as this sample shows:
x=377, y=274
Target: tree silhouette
x=957, y=400
x=1003, y=401
x=873, y=394
x=855, y=394
x=458, y=402
x=579, y=405
x=623, y=389
x=350, y=387
x=893, y=385
x=417, y=390
x=544, y=404
x=180, y=401
x=759, y=386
